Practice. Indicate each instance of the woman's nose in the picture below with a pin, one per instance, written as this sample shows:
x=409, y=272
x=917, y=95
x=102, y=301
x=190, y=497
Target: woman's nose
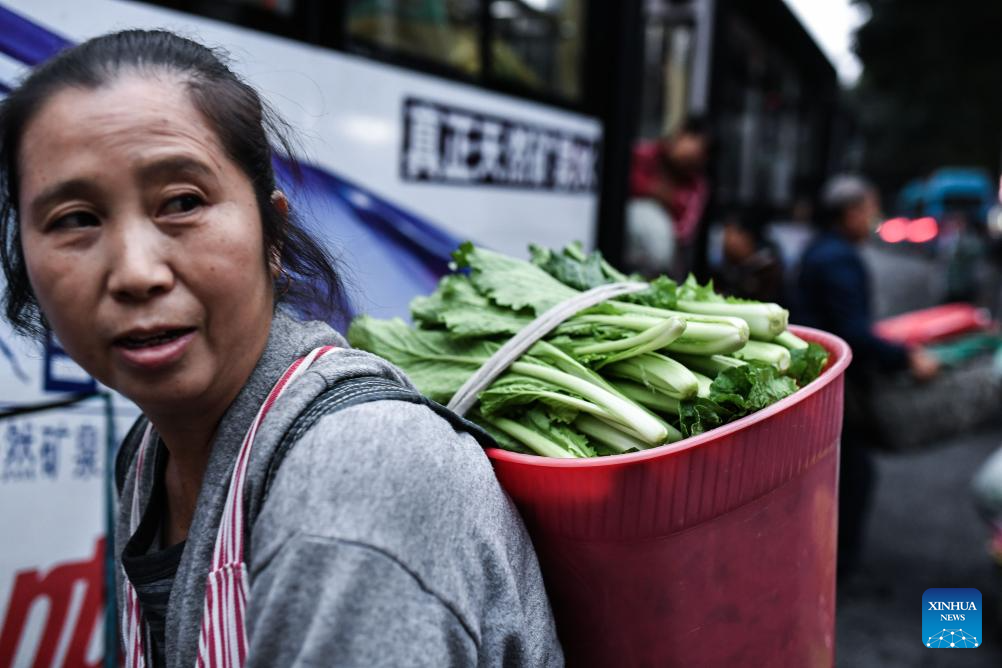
x=139, y=267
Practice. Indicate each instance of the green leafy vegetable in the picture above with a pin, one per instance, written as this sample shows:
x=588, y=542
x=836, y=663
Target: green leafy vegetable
x=538, y=441
x=655, y=337
x=790, y=341
x=748, y=388
x=571, y=267
x=768, y=353
x=509, y=282
x=648, y=396
x=436, y=362
x=765, y=321
x=710, y=365
x=631, y=373
x=457, y=306
x=700, y=415
x=659, y=372
x=807, y=363
x=609, y=436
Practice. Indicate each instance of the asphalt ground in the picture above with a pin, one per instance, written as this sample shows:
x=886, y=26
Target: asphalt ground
x=923, y=532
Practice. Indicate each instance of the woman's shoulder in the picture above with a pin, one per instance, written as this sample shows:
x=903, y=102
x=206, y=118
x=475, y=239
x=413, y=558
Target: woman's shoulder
x=395, y=438
x=372, y=470
x=395, y=479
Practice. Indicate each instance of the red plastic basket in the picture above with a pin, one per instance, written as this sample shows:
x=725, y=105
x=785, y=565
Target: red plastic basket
x=715, y=551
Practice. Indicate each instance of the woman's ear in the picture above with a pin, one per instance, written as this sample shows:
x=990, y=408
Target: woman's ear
x=281, y=203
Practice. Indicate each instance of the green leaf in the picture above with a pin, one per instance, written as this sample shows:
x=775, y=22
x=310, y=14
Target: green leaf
x=700, y=415
x=806, y=363
x=515, y=391
x=691, y=290
x=503, y=440
x=461, y=256
x=539, y=255
x=653, y=338
x=662, y=293
x=576, y=329
x=436, y=362
x=765, y=320
x=509, y=282
x=748, y=388
x=582, y=274
x=560, y=433
x=659, y=372
x=457, y=306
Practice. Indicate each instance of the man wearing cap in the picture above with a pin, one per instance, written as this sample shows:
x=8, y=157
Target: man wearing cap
x=834, y=295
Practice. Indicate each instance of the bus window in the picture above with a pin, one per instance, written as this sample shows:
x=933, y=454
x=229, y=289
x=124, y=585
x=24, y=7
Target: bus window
x=279, y=17
x=537, y=45
x=280, y=7
x=664, y=97
x=528, y=48
x=443, y=31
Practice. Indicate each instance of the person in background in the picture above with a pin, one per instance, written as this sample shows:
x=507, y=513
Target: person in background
x=966, y=252
x=672, y=172
x=987, y=489
x=650, y=238
x=751, y=266
x=834, y=295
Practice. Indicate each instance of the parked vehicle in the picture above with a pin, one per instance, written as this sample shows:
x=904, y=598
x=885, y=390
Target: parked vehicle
x=937, y=213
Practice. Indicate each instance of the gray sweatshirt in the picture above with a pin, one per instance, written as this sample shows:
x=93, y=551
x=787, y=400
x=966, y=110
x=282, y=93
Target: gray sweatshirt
x=384, y=540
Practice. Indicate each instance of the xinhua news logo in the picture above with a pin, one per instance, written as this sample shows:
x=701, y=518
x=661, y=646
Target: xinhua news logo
x=951, y=618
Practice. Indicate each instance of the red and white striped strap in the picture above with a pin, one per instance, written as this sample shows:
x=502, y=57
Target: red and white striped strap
x=222, y=639
x=230, y=539
x=132, y=626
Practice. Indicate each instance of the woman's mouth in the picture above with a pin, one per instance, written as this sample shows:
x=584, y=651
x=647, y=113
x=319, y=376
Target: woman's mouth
x=155, y=339
x=156, y=349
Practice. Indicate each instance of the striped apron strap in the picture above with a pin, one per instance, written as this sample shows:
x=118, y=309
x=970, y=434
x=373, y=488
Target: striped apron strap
x=132, y=625
x=222, y=639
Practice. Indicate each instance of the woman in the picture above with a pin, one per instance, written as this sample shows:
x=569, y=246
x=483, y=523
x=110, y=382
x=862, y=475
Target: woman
x=141, y=222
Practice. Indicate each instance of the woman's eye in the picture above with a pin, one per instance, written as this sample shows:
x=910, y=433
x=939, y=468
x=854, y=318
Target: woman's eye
x=181, y=204
x=74, y=220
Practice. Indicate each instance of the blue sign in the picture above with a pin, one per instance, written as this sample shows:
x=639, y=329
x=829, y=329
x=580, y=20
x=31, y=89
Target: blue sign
x=62, y=374
x=951, y=618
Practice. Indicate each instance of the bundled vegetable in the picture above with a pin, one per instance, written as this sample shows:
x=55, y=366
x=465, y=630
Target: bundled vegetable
x=628, y=374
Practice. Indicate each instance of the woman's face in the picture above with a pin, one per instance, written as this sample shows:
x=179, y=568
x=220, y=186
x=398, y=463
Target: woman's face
x=143, y=243
x=738, y=244
x=860, y=219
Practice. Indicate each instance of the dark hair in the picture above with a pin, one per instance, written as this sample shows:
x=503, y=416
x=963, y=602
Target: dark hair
x=695, y=125
x=248, y=132
x=753, y=221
